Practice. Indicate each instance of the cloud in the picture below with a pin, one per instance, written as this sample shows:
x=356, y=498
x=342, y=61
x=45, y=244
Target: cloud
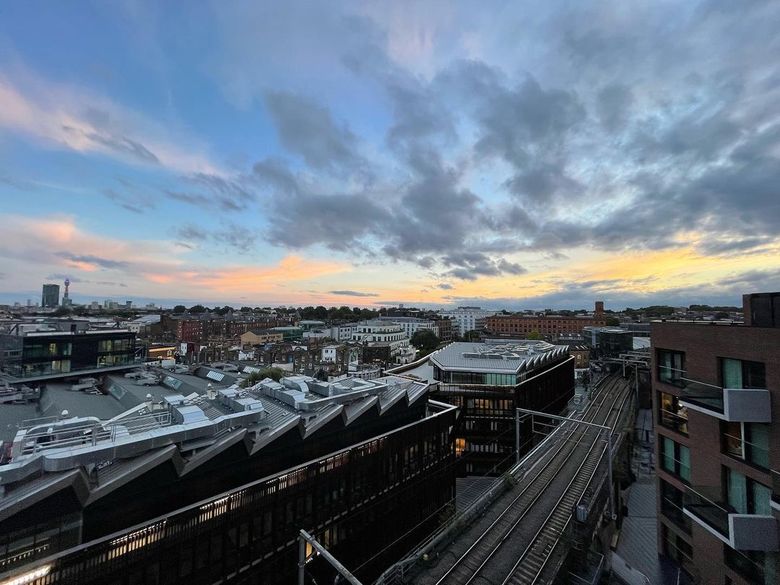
x=307, y=129
x=352, y=293
x=126, y=202
x=90, y=262
x=69, y=117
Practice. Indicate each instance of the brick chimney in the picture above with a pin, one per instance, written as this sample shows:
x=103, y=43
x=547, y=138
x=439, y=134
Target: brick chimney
x=599, y=308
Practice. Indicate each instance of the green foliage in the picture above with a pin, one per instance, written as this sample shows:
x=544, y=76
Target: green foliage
x=275, y=374
x=534, y=335
x=471, y=336
x=197, y=309
x=612, y=321
x=425, y=340
x=179, y=309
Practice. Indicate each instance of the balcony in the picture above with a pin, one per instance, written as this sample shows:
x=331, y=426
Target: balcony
x=729, y=404
x=704, y=505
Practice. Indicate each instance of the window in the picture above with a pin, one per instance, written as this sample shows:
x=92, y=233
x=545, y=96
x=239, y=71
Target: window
x=755, y=566
x=676, y=459
x=742, y=374
x=671, y=365
x=671, y=414
x=746, y=441
x=747, y=496
x=672, y=506
x=676, y=548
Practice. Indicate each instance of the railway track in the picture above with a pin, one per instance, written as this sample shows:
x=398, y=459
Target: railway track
x=529, y=567
x=478, y=560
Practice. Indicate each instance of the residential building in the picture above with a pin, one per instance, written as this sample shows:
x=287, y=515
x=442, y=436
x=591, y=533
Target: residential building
x=388, y=339
x=215, y=487
x=50, y=297
x=411, y=325
x=467, y=318
x=342, y=332
x=488, y=381
x=550, y=326
x=260, y=337
x=716, y=395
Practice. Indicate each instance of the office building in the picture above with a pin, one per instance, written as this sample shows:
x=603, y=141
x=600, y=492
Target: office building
x=64, y=348
x=213, y=486
x=50, y=296
x=716, y=395
x=488, y=381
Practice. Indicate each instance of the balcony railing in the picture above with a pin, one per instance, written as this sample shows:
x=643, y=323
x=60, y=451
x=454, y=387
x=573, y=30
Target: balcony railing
x=740, y=531
x=730, y=404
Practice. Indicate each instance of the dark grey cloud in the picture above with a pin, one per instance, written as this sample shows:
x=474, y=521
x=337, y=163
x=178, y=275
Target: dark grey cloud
x=215, y=192
x=19, y=184
x=307, y=129
x=352, y=293
x=191, y=233
x=445, y=286
x=234, y=237
x=124, y=201
x=90, y=259
x=121, y=144
x=754, y=280
x=237, y=237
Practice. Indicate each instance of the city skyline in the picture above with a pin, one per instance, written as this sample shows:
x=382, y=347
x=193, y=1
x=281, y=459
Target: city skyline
x=528, y=156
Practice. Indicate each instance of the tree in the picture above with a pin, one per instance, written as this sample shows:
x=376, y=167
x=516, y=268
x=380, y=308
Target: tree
x=197, y=309
x=534, y=335
x=179, y=309
x=612, y=321
x=425, y=340
x=471, y=335
x=275, y=374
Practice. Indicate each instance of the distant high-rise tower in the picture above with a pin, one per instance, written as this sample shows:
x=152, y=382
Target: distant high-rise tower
x=51, y=295
x=66, y=296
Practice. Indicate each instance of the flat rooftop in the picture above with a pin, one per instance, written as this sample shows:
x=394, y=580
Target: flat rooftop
x=509, y=356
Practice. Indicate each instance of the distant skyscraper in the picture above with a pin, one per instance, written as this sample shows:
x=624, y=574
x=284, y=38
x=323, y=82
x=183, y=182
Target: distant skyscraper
x=51, y=295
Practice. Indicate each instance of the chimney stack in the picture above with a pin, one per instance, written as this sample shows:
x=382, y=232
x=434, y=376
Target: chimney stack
x=599, y=308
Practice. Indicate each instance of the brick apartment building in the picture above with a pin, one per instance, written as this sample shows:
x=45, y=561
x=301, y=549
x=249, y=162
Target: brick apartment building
x=716, y=399
x=549, y=326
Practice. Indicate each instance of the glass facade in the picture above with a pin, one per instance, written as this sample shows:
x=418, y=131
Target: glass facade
x=61, y=353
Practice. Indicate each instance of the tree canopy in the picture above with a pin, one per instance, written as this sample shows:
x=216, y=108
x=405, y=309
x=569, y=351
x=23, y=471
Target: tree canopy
x=275, y=374
x=425, y=340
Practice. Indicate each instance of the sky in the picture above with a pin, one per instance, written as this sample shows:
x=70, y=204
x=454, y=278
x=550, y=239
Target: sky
x=505, y=154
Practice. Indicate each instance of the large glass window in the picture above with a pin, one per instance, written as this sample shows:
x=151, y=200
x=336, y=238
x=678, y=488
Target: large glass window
x=671, y=365
x=671, y=414
x=747, y=496
x=742, y=374
x=746, y=441
x=755, y=566
x=676, y=459
x=672, y=505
